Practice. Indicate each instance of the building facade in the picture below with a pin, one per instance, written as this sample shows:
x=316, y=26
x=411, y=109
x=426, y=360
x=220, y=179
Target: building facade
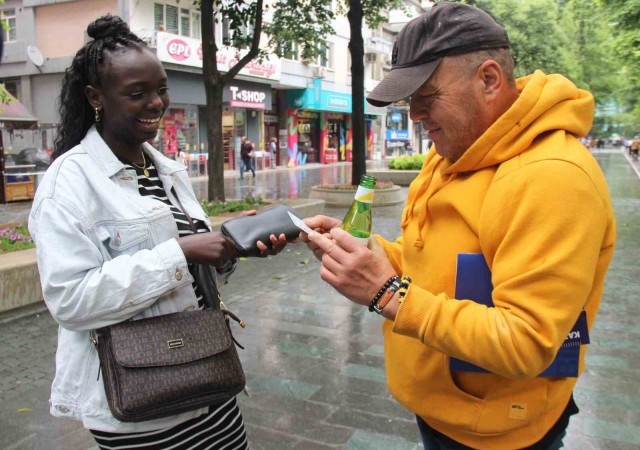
x=305, y=105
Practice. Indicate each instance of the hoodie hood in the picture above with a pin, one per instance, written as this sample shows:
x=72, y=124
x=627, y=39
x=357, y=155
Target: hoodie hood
x=546, y=103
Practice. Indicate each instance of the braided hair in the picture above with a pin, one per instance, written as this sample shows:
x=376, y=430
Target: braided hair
x=76, y=115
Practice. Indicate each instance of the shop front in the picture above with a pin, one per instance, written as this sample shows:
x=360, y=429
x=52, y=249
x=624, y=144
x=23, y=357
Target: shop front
x=244, y=102
x=243, y=115
x=375, y=129
x=318, y=125
x=397, y=140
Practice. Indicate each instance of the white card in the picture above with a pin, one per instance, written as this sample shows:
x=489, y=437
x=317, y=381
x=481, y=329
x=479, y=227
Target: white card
x=299, y=223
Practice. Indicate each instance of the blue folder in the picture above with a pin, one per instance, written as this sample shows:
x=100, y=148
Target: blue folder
x=473, y=282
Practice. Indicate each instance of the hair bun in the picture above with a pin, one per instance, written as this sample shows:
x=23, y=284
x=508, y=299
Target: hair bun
x=107, y=26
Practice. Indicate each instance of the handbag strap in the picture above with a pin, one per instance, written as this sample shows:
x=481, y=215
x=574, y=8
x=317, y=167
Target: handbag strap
x=201, y=272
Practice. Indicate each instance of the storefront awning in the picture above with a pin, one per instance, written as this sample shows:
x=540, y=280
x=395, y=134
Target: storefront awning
x=14, y=115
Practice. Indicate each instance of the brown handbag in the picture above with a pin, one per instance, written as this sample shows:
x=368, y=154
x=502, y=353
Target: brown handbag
x=169, y=364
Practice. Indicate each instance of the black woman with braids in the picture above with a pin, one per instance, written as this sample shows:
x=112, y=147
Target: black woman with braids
x=111, y=244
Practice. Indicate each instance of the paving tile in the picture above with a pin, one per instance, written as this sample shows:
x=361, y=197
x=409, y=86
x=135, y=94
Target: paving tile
x=283, y=386
x=364, y=372
x=612, y=431
x=375, y=441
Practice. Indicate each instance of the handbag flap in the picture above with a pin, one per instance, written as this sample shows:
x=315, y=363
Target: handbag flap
x=170, y=339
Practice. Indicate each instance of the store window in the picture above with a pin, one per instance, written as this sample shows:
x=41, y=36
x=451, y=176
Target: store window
x=309, y=134
x=233, y=129
x=180, y=130
x=397, y=120
x=8, y=22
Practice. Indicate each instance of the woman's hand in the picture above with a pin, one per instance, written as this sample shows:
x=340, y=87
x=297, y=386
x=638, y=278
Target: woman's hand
x=212, y=248
x=277, y=243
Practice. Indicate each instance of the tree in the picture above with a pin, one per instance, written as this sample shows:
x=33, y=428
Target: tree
x=240, y=15
x=288, y=27
x=624, y=16
x=244, y=18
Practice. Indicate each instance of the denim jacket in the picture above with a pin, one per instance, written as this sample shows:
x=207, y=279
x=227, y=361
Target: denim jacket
x=106, y=254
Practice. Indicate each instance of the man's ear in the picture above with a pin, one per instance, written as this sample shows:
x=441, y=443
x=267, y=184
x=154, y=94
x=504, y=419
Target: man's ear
x=93, y=96
x=492, y=77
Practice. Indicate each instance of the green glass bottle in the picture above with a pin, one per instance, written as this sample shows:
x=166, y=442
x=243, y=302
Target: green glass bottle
x=357, y=221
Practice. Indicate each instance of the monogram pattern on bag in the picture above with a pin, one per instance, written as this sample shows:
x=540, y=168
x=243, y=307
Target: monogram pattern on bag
x=156, y=381
x=143, y=343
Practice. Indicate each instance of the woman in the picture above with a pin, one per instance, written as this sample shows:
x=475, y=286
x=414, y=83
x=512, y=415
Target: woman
x=111, y=244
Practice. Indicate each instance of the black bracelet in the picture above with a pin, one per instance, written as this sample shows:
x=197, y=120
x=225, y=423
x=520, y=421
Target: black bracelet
x=382, y=290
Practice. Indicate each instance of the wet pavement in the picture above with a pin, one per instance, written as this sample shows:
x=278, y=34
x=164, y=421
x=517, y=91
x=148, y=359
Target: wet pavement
x=314, y=361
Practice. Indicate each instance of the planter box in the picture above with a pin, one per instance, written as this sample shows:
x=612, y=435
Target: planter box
x=399, y=177
x=20, y=281
x=335, y=197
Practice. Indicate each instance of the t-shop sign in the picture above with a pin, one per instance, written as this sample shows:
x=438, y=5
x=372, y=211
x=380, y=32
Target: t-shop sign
x=182, y=50
x=245, y=98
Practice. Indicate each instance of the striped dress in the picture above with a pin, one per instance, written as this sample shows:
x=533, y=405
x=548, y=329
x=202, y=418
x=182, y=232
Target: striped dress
x=222, y=428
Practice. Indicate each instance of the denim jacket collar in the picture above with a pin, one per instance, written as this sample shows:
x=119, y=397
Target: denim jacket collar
x=98, y=149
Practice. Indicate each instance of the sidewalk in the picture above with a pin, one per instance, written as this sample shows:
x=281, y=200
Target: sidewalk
x=314, y=362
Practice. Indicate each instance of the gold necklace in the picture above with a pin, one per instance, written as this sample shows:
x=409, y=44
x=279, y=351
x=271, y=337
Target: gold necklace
x=144, y=165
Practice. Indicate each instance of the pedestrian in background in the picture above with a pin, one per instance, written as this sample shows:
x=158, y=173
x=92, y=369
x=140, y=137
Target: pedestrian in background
x=246, y=157
x=112, y=241
x=634, y=147
x=509, y=205
x=273, y=149
x=181, y=157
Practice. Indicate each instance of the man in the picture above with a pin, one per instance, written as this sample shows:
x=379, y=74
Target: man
x=506, y=181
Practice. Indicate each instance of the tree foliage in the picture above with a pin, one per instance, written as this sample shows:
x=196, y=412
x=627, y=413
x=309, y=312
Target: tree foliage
x=595, y=43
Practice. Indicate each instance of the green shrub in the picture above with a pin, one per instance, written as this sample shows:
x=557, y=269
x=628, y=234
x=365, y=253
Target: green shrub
x=15, y=238
x=215, y=208
x=406, y=162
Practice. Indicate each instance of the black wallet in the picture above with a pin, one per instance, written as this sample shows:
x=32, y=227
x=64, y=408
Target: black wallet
x=245, y=231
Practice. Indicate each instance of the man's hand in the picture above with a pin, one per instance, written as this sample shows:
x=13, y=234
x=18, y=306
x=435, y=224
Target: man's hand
x=320, y=224
x=353, y=269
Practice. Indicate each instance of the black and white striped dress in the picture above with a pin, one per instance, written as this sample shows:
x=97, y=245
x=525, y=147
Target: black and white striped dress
x=222, y=428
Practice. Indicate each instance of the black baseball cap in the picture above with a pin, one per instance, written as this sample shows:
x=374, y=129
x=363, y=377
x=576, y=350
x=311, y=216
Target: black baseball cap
x=446, y=29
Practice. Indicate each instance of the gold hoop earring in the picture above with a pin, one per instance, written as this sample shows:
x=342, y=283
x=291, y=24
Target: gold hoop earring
x=98, y=118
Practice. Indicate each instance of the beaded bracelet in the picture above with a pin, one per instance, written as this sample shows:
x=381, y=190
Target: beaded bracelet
x=382, y=290
x=388, y=295
x=404, y=287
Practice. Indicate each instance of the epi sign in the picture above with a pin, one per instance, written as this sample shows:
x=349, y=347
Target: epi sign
x=179, y=49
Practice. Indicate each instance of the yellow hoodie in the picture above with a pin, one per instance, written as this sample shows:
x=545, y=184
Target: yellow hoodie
x=533, y=201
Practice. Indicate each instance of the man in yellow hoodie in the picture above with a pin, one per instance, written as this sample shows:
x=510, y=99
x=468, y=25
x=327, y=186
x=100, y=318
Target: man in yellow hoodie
x=507, y=235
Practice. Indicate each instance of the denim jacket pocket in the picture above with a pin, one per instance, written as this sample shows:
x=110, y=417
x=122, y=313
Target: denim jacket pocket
x=124, y=238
